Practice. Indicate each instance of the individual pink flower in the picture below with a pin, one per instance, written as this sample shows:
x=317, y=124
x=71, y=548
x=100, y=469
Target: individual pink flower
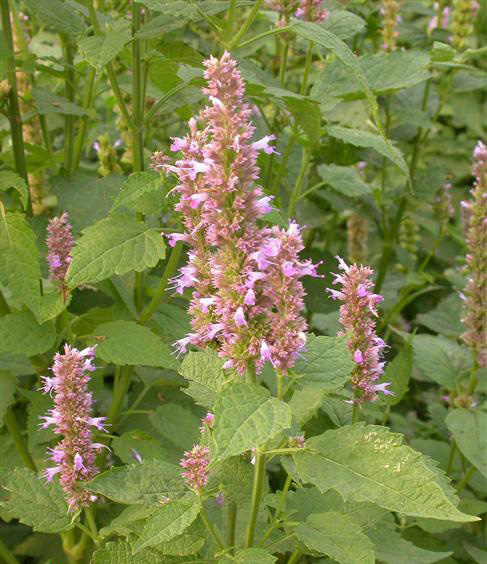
x=72, y=418
x=444, y=18
x=311, y=11
x=475, y=293
x=59, y=244
x=357, y=316
x=195, y=462
x=207, y=422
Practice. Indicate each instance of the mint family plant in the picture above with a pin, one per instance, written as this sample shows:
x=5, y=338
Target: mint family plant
x=244, y=281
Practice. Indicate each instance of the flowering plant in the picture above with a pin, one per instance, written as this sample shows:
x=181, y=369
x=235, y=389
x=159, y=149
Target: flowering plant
x=244, y=282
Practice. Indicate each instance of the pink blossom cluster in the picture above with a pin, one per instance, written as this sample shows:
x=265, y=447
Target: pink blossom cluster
x=196, y=462
x=308, y=10
x=247, y=297
x=59, y=244
x=475, y=293
x=72, y=417
x=443, y=22
x=357, y=316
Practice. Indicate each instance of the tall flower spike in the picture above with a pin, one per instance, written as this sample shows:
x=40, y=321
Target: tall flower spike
x=247, y=297
x=357, y=316
x=391, y=17
x=475, y=293
x=464, y=14
x=195, y=462
x=442, y=20
x=71, y=416
x=59, y=244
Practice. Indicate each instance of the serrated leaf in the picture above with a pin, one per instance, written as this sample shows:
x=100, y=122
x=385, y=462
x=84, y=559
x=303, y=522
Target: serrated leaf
x=247, y=416
x=337, y=536
x=121, y=553
x=323, y=37
x=166, y=523
x=307, y=115
x=57, y=14
x=149, y=483
x=343, y=24
x=35, y=503
x=234, y=476
x=385, y=73
x=326, y=363
x=20, y=334
x=8, y=383
x=442, y=360
x=177, y=424
x=445, y=318
x=114, y=245
x=250, y=556
x=190, y=542
x=126, y=342
x=136, y=185
x=392, y=549
x=361, y=138
x=369, y=463
x=123, y=524
x=204, y=370
x=469, y=429
x=305, y=403
x=49, y=103
x=99, y=50
x=344, y=180
x=398, y=373
x=10, y=179
x=19, y=258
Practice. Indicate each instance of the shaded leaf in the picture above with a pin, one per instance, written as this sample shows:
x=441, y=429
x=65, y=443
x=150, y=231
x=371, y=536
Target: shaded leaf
x=99, y=50
x=344, y=179
x=204, y=370
x=121, y=553
x=49, y=103
x=8, y=384
x=21, y=334
x=177, y=424
x=398, y=373
x=137, y=184
x=10, y=179
x=57, y=14
x=469, y=429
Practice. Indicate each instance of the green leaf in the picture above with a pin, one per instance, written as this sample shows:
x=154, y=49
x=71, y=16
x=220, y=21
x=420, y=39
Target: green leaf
x=19, y=258
x=247, y=416
x=190, y=542
x=442, y=360
x=173, y=320
x=468, y=427
x=114, y=245
x=392, y=549
x=398, y=373
x=361, y=138
x=337, y=536
x=49, y=103
x=136, y=185
x=204, y=370
x=167, y=523
x=305, y=403
x=384, y=72
x=369, y=463
x=445, y=318
x=20, y=334
x=125, y=523
x=35, y=503
x=234, y=476
x=10, y=179
x=126, y=342
x=317, y=33
x=480, y=556
x=144, y=444
x=150, y=483
x=326, y=363
x=344, y=180
x=176, y=424
x=307, y=115
x=39, y=404
x=99, y=50
x=250, y=556
x=121, y=553
x=8, y=384
x=57, y=14
x=343, y=24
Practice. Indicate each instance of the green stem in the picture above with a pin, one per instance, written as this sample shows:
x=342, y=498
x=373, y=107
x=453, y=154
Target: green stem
x=70, y=95
x=385, y=416
x=231, y=525
x=67, y=326
x=285, y=159
x=234, y=44
x=121, y=387
x=307, y=68
x=6, y=555
x=355, y=413
x=251, y=373
x=264, y=35
x=473, y=381
x=259, y=475
x=295, y=556
x=466, y=478
x=160, y=296
x=283, y=62
x=299, y=182
x=230, y=19
x=90, y=519
x=16, y=434
x=280, y=385
x=394, y=231
x=83, y=126
x=163, y=100
x=14, y=111
x=210, y=528
x=137, y=130
x=451, y=456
